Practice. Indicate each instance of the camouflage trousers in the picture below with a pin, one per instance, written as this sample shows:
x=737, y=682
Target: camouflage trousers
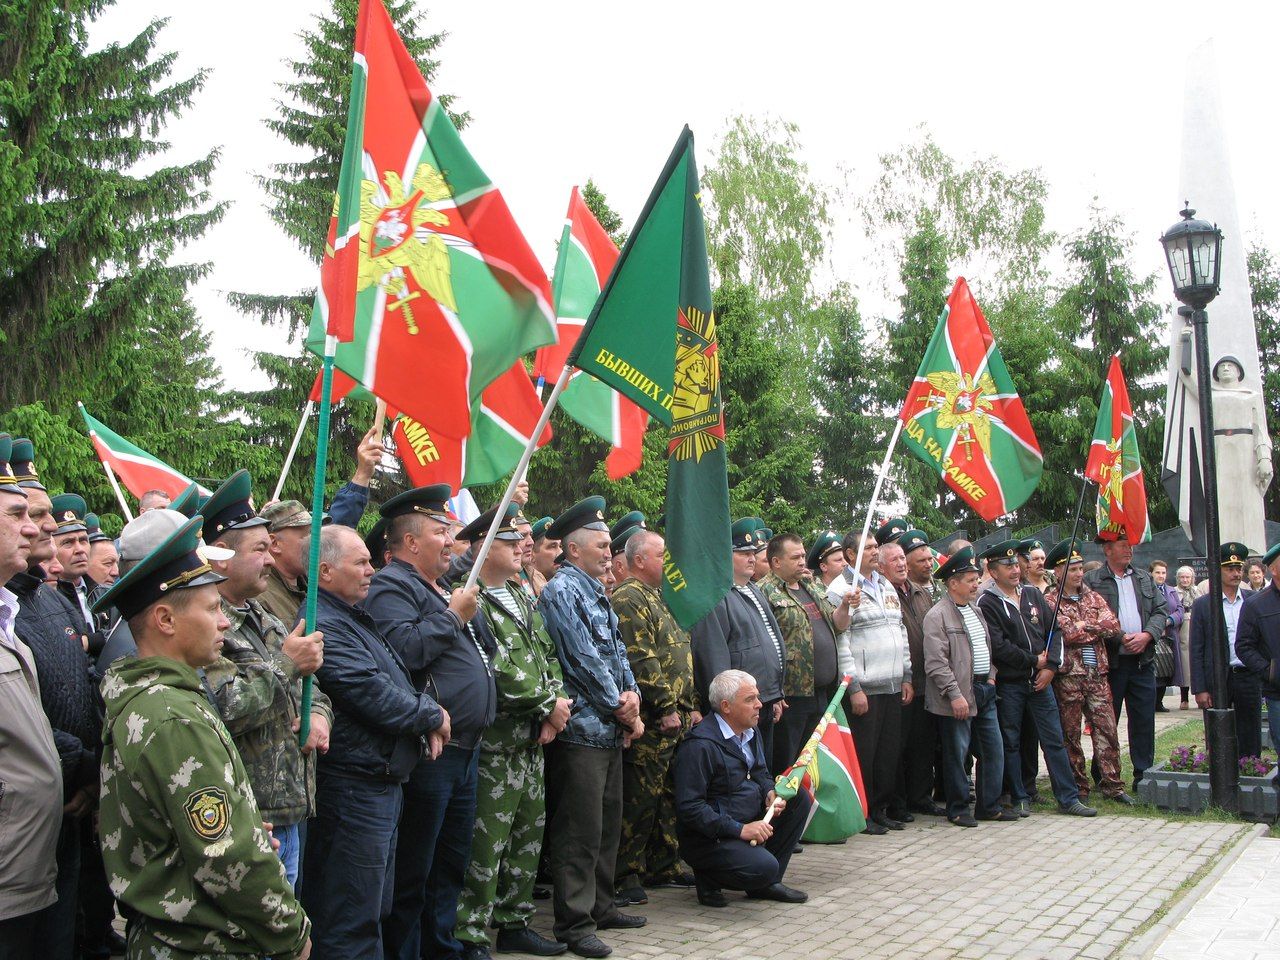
x=1089, y=693
x=510, y=811
x=648, y=851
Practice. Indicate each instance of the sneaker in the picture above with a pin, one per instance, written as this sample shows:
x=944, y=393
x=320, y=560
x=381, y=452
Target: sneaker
x=684, y=879
x=1077, y=809
x=526, y=940
x=1124, y=800
x=630, y=895
x=1022, y=808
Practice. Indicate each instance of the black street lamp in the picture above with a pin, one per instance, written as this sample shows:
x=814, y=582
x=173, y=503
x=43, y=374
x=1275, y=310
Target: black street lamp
x=1193, y=249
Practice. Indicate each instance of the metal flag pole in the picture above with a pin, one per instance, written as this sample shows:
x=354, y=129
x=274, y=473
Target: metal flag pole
x=1075, y=524
x=293, y=448
x=516, y=476
x=317, y=512
x=875, y=493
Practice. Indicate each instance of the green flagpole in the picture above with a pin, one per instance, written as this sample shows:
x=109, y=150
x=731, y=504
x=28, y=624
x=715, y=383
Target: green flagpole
x=317, y=513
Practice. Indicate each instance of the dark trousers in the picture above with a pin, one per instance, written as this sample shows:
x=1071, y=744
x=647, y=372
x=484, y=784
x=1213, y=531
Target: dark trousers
x=765, y=729
x=914, y=788
x=736, y=865
x=792, y=731
x=350, y=863
x=1017, y=701
x=433, y=851
x=877, y=737
x=584, y=791
x=1030, y=751
x=983, y=734
x=1133, y=687
x=55, y=925
x=18, y=938
x=1246, y=698
x=97, y=904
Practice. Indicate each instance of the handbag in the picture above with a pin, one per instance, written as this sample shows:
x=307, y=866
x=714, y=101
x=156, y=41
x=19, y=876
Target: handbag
x=1164, y=657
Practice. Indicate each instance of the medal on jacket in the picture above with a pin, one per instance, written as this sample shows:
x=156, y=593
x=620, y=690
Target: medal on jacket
x=1035, y=615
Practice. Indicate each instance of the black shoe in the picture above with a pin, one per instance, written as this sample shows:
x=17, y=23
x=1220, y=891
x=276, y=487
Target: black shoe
x=875, y=829
x=930, y=809
x=712, y=897
x=964, y=820
x=887, y=821
x=542, y=891
x=526, y=940
x=1035, y=798
x=683, y=880
x=480, y=951
x=1124, y=800
x=629, y=895
x=622, y=921
x=1000, y=816
x=780, y=893
x=1161, y=708
x=590, y=946
x=901, y=816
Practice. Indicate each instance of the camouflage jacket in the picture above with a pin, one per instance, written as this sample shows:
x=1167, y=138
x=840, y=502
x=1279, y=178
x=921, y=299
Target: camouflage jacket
x=525, y=670
x=282, y=599
x=659, y=651
x=258, y=691
x=182, y=836
x=797, y=632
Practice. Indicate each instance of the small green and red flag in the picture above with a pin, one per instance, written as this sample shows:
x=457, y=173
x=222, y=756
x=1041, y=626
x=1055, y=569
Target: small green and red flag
x=138, y=470
x=964, y=418
x=426, y=278
x=1115, y=466
x=583, y=262
x=828, y=768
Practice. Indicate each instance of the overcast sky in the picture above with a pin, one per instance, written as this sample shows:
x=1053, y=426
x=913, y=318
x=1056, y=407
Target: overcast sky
x=1090, y=93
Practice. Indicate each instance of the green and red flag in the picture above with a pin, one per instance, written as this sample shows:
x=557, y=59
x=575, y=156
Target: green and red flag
x=964, y=418
x=583, y=262
x=138, y=470
x=652, y=337
x=1115, y=466
x=828, y=768
x=426, y=278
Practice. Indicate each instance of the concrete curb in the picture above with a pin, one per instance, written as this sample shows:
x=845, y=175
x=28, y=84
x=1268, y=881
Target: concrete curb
x=1145, y=946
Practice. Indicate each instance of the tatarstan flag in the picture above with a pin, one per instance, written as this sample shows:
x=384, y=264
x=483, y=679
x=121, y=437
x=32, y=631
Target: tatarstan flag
x=828, y=768
x=1114, y=464
x=427, y=282
x=585, y=257
x=502, y=425
x=652, y=337
x=963, y=415
x=138, y=470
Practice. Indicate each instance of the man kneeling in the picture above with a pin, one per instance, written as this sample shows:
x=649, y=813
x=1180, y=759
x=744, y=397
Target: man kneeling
x=723, y=789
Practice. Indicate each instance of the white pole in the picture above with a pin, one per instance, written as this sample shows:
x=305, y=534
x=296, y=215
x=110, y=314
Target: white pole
x=293, y=448
x=875, y=493
x=115, y=485
x=516, y=476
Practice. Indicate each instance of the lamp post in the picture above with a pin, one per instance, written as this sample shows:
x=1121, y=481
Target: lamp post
x=1192, y=248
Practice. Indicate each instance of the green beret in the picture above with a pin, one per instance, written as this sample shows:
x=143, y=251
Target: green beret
x=628, y=520
x=586, y=514
x=1271, y=555
x=228, y=507
x=891, y=530
x=746, y=535
x=912, y=540
x=1004, y=552
x=962, y=561
x=69, y=510
x=826, y=544
x=1233, y=553
x=1066, y=551
x=170, y=561
x=430, y=501
x=1031, y=543
x=476, y=530
x=540, y=527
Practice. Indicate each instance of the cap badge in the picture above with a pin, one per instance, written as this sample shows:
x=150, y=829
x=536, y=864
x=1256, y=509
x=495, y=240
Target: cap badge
x=68, y=516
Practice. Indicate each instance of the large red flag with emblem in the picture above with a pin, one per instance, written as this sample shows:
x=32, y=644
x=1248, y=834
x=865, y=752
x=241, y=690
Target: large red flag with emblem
x=1115, y=466
x=427, y=282
x=963, y=415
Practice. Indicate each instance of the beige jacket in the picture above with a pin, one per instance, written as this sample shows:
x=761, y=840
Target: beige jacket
x=30, y=788
x=948, y=658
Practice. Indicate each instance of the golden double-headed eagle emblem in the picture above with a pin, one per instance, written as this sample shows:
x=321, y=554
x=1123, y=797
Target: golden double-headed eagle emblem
x=963, y=406
x=398, y=244
x=1112, y=470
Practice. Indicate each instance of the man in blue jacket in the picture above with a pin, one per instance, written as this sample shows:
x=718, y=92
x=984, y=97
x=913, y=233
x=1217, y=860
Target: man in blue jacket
x=1258, y=640
x=380, y=723
x=723, y=789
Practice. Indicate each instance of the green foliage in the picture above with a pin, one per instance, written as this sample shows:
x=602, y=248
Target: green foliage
x=312, y=117
x=1264, y=287
x=94, y=301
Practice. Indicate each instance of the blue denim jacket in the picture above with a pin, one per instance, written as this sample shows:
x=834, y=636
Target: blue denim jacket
x=592, y=655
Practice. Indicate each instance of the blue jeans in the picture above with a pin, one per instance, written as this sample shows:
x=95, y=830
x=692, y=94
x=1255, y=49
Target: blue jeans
x=290, y=848
x=432, y=856
x=1016, y=700
x=1134, y=688
x=983, y=732
x=349, y=865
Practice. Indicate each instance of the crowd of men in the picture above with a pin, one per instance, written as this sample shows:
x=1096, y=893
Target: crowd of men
x=548, y=732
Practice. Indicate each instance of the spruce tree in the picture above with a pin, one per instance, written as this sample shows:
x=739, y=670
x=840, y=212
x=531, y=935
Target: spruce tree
x=1264, y=287
x=312, y=117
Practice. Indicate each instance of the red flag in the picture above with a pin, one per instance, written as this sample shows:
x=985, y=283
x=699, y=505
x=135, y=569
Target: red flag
x=1115, y=466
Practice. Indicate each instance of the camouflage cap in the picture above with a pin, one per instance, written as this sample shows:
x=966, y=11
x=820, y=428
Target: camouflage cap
x=284, y=514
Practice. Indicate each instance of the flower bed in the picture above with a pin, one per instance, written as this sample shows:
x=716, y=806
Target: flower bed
x=1182, y=785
